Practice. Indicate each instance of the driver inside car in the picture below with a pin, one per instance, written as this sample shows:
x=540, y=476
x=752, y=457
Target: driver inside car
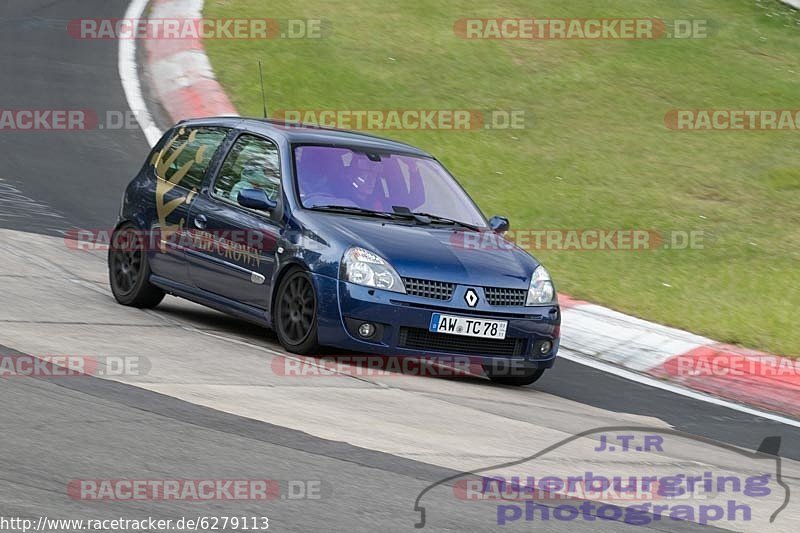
x=363, y=184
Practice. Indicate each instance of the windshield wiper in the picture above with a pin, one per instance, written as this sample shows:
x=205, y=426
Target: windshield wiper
x=445, y=220
x=399, y=212
x=352, y=210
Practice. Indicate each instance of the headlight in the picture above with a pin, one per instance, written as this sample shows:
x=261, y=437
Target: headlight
x=363, y=267
x=541, y=290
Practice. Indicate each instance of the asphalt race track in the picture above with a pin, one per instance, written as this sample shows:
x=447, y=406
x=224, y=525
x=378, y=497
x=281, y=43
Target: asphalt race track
x=212, y=406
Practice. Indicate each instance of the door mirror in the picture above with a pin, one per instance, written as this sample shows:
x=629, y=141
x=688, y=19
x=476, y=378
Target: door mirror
x=499, y=224
x=256, y=199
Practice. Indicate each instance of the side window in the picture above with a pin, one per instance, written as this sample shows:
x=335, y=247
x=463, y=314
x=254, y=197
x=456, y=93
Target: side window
x=252, y=163
x=186, y=157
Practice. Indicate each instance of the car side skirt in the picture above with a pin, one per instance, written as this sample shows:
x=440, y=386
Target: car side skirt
x=220, y=303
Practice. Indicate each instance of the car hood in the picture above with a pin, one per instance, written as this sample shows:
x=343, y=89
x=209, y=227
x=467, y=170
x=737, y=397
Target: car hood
x=436, y=252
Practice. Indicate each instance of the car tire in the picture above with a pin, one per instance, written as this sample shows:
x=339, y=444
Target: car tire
x=502, y=378
x=129, y=270
x=295, y=313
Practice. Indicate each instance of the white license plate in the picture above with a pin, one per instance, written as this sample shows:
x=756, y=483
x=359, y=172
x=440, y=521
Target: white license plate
x=468, y=326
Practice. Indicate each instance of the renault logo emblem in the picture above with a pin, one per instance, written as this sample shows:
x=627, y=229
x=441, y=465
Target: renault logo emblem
x=471, y=297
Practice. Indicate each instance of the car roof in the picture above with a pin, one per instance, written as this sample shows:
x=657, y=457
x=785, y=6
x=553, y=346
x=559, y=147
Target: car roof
x=295, y=133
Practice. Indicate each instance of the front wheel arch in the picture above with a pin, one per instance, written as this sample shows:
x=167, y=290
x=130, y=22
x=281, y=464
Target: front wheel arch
x=284, y=271
x=296, y=312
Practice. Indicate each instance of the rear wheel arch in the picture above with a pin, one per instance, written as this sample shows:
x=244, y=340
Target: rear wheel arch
x=139, y=224
x=129, y=270
x=124, y=222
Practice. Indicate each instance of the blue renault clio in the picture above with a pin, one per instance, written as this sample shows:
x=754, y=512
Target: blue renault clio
x=332, y=238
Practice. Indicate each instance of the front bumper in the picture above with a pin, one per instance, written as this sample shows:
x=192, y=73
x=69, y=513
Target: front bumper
x=404, y=320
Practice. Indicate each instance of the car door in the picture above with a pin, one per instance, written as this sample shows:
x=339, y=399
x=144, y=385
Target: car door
x=177, y=174
x=234, y=255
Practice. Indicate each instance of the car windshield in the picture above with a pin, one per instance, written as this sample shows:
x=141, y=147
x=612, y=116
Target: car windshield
x=354, y=179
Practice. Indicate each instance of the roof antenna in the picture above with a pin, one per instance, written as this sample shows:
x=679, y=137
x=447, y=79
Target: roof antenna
x=263, y=94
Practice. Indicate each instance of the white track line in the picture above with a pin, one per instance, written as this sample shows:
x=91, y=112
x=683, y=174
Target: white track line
x=669, y=387
x=129, y=76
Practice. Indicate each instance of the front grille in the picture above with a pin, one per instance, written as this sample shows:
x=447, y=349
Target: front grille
x=499, y=296
x=422, y=339
x=425, y=288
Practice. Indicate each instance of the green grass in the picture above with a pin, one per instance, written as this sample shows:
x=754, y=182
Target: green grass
x=595, y=152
